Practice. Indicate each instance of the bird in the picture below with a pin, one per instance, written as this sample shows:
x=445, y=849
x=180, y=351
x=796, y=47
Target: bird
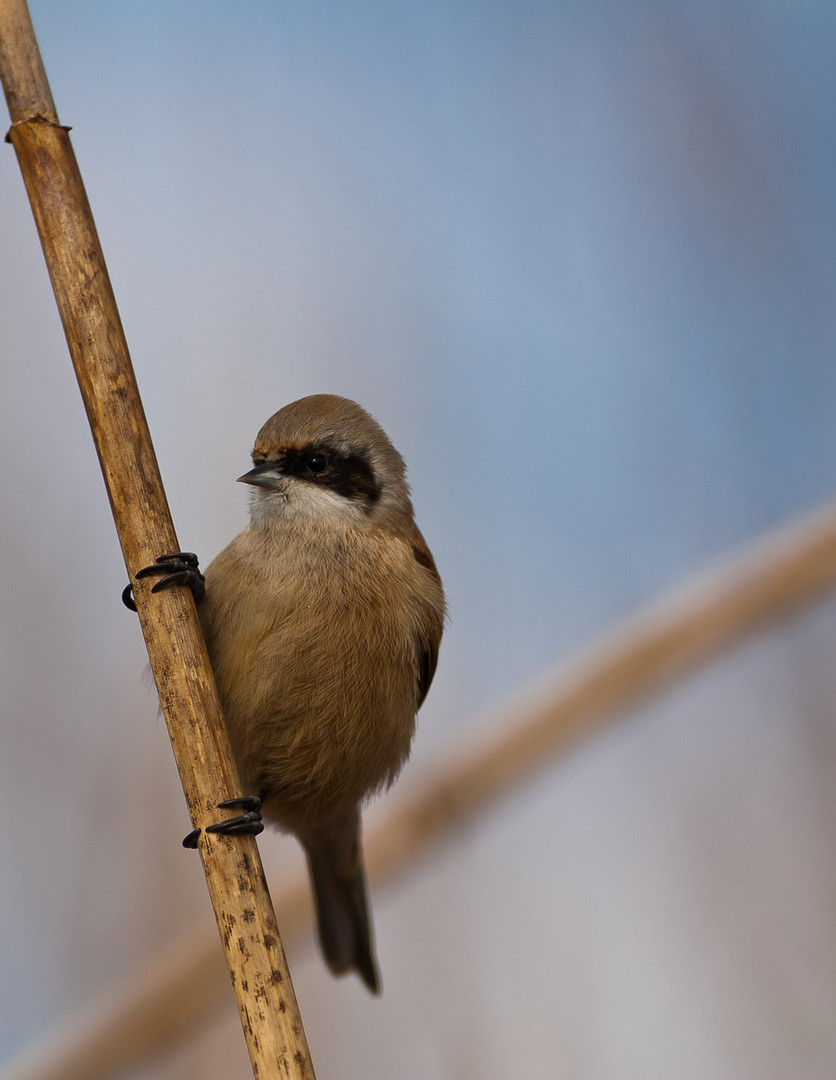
x=323, y=620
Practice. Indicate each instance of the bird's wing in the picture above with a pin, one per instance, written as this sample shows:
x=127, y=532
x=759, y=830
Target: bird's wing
x=430, y=638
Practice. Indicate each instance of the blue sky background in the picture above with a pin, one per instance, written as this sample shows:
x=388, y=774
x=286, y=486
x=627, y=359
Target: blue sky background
x=579, y=260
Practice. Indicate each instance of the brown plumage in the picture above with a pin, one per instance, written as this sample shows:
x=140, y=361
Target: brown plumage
x=323, y=620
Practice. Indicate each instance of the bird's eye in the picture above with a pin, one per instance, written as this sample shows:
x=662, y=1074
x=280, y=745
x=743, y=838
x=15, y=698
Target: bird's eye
x=317, y=463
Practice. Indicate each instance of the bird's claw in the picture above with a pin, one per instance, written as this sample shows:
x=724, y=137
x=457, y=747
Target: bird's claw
x=248, y=823
x=178, y=568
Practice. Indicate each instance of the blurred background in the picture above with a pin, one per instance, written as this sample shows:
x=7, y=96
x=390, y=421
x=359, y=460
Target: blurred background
x=579, y=259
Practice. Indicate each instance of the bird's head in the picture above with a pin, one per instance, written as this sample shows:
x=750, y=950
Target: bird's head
x=325, y=456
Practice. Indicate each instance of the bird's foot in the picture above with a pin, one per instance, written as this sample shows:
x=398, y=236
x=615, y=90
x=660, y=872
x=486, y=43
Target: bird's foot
x=179, y=568
x=248, y=823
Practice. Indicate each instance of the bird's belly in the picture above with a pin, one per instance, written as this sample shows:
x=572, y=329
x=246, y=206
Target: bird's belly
x=320, y=704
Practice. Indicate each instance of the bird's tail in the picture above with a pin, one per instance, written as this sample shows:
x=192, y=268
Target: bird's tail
x=342, y=911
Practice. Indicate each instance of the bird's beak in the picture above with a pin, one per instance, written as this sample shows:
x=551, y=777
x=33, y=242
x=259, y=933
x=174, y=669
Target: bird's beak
x=266, y=475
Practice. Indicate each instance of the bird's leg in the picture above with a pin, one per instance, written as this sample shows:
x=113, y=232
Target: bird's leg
x=179, y=568
x=249, y=822
x=182, y=568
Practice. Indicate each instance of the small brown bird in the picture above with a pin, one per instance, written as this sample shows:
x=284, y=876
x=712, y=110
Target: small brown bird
x=323, y=620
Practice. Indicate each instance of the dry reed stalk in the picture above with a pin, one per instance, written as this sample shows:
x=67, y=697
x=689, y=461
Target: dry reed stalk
x=244, y=913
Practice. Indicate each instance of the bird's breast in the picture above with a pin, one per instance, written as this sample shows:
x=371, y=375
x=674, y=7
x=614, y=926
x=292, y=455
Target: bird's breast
x=313, y=643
